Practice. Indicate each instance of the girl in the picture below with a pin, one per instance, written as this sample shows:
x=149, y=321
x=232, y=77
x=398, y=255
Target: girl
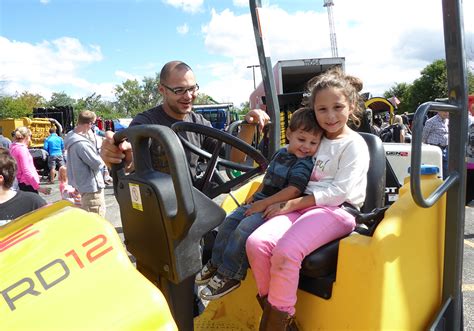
x=68, y=192
x=298, y=227
x=28, y=179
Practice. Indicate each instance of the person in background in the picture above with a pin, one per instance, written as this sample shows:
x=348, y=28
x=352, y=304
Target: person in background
x=68, y=192
x=54, y=145
x=470, y=153
x=84, y=165
x=4, y=141
x=399, y=129
x=27, y=176
x=286, y=178
x=436, y=132
x=14, y=204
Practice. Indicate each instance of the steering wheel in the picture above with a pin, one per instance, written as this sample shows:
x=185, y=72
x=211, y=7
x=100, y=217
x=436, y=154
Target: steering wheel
x=206, y=185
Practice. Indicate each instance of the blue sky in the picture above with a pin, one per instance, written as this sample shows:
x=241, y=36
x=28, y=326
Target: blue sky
x=82, y=47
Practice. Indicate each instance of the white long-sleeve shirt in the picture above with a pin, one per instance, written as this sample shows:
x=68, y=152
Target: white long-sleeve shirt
x=340, y=171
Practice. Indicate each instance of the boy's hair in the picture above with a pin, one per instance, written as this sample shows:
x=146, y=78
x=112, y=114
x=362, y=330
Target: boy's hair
x=52, y=130
x=86, y=117
x=349, y=85
x=304, y=119
x=7, y=168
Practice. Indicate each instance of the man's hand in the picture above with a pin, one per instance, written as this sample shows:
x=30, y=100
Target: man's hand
x=113, y=154
x=257, y=116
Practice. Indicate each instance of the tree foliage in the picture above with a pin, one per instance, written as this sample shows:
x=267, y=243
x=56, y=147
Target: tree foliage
x=60, y=99
x=20, y=105
x=133, y=97
x=432, y=84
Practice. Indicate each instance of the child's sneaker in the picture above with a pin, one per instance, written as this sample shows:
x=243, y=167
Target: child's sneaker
x=204, y=276
x=218, y=286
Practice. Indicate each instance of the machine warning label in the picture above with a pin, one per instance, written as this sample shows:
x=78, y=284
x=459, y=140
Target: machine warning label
x=136, y=196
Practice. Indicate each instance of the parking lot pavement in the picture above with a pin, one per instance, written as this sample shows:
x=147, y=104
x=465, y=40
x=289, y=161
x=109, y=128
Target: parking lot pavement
x=113, y=216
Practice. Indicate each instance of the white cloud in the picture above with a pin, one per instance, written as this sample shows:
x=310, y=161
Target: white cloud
x=48, y=66
x=240, y=3
x=125, y=75
x=182, y=29
x=383, y=42
x=189, y=6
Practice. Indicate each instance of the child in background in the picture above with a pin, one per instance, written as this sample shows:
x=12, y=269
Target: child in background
x=286, y=178
x=68, y=192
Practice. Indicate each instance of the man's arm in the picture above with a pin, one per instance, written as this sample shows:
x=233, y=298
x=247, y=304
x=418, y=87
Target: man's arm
x=247, y=131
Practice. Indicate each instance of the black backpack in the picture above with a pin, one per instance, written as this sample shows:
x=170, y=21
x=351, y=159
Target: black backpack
x=390, y=134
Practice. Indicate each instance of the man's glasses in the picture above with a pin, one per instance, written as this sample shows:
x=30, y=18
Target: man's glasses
x=182, y=90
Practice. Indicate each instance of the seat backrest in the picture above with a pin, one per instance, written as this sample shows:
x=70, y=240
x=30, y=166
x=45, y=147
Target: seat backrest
x=375, y=192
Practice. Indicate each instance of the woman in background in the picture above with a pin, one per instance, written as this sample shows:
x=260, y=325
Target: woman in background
x=27, y=176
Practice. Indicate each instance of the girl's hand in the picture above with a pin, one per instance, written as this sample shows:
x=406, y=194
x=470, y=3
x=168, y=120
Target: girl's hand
x=276, y=209
x=256, y=207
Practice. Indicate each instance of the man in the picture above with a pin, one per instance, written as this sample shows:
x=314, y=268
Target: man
x=179, y=90
x=4, y=141
x=436, y=132
x=54, y=145
x=84, y=165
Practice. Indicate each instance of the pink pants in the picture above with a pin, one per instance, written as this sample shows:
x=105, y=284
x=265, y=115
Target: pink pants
x=277, y=248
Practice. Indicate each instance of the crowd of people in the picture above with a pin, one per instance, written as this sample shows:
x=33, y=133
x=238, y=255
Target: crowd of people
x=82, y=173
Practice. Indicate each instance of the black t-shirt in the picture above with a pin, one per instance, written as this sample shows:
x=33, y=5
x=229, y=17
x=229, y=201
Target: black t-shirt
x=20, y=204
x=157, y=115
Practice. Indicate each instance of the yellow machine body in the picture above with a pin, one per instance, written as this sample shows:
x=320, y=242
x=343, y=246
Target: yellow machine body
x=65, y=269
x=39, y=128
x=390, y=281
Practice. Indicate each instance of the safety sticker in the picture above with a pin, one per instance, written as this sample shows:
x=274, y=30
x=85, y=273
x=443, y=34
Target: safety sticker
x=136, y=196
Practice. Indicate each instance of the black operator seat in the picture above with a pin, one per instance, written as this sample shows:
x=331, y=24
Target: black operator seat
x=318, y=269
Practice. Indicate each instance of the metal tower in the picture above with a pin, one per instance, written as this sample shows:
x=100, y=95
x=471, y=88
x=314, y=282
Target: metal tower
x=332, y=29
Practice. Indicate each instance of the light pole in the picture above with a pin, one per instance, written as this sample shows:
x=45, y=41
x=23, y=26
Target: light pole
x=253, y=72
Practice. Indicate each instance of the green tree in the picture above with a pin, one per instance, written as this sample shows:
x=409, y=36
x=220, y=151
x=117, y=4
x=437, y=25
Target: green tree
x=133, y=97
x=401, y=91
x=20, y=105
x=151, y=97
x=61, y=99
x=129, y=99
x=204, y=99
x=431, y=85
x=94, y=102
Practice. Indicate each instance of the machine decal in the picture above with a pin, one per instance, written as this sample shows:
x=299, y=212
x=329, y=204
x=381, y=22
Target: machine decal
x=55, y=271
x=136, y=197
x=17, y=237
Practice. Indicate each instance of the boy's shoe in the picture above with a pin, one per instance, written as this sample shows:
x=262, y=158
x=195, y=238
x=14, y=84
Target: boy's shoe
x=218, y=286
x=204, y=276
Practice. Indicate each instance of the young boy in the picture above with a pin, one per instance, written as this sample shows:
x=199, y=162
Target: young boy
x=286, y=178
